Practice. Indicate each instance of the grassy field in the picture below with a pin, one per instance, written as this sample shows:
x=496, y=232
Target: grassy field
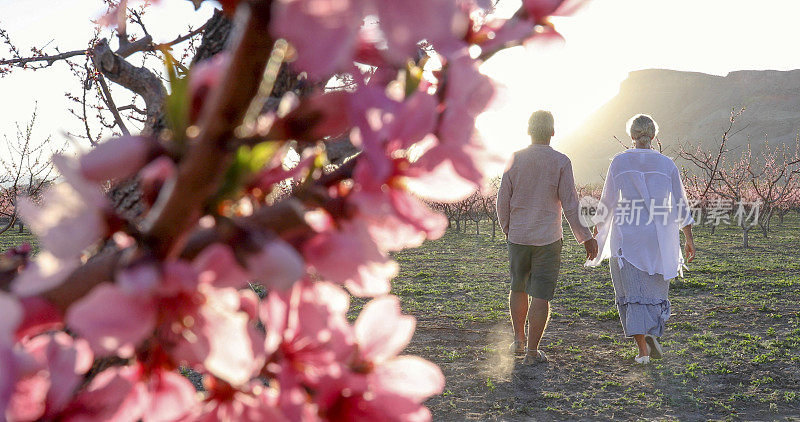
x=13, y=238
x=732, y=346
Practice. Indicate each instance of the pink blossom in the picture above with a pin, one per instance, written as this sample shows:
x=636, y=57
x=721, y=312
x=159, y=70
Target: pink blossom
x=111, y=320
x=367, y=51
x=117, y=158
x=380, y=384
x=351, y=398
x=218, y=337
x=55, y=370
x=414, y=119
x=131, y=393
x=467, y=90
x=396, y=219
x=464, y=164
x=467, y=94
x=141, y=277
x=254, y=403
x=216, y=265
x=113, y=395
x=381, y=331
x=496, y=33
x=440, y=182
x=350, y=256
x=307, y=339
x=11, y=314
x=307, y=330
x=66, y=224
x=208, y=326
x=39, y=316
x=72, y=217
x=199, y=323
x=407, y=23
x=277, y=265
x=538, y=10
x=153, y=176
x=43, y=273
x=10, y=318
x=324, y=33
x=202, y=79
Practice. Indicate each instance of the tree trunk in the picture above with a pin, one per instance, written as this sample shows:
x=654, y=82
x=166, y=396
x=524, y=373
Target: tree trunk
x=494, y=230
x=215, y=36
x=21, y=226
x=477, y=228
x=12, y=220
x=766, y=220
x=745, y=232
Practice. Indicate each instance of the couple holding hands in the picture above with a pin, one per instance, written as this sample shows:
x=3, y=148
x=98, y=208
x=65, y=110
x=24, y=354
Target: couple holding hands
x=642, y=210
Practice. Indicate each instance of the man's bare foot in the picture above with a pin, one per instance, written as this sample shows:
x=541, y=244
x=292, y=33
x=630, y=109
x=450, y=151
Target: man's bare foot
x=518, y=347
x=535, y=357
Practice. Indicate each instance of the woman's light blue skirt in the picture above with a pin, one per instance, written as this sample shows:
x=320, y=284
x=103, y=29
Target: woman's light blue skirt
x=641, y=298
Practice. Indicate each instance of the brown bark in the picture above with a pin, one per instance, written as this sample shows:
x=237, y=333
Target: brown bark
x=137, y=79
x=180, y=204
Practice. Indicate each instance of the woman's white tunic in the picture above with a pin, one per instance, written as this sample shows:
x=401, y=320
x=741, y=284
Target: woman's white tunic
x=641, y=211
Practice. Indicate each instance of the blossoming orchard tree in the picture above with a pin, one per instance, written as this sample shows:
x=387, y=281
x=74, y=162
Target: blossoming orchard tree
x=96, y=326
x=748, y=190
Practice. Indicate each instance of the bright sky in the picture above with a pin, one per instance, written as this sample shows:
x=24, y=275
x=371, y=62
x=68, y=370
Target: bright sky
x=33, y=23
x=604, y=41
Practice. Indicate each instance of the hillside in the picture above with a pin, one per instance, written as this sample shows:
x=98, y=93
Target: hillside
x=692, y=108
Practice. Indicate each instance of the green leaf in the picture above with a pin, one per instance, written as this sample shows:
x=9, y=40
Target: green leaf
x=178, y=101
x=413, y=78
x=246, y=162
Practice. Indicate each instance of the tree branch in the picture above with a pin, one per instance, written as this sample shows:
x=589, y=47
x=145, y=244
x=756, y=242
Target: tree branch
x=111, y=106
x=22, y=61
x=137, y=79
x=179, y=205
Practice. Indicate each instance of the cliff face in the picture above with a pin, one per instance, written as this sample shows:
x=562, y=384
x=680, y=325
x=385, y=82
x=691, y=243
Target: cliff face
x=691, y=108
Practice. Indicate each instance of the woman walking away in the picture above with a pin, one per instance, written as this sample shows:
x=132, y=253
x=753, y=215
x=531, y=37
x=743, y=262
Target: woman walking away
x=642, y=209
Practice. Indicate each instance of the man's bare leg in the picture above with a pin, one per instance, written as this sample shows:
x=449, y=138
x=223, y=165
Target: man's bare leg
x=538, y=316
x=518, y=304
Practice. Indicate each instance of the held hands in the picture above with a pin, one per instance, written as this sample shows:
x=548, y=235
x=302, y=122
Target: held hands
x=591, y=248
x=689, y=247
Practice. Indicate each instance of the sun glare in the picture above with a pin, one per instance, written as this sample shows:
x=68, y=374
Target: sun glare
x=548, y=75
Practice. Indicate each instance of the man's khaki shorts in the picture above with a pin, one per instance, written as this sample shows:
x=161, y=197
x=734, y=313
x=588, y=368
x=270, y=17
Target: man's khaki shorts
x=534, y=269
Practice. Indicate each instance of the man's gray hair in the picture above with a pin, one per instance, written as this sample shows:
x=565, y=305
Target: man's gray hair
x=540, y=125
x=642, y=127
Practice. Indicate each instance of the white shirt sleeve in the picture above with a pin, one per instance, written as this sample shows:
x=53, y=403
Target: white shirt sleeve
x=683, y=211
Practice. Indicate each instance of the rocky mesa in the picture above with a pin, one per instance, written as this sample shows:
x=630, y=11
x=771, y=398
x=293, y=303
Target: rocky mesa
x=690, y=108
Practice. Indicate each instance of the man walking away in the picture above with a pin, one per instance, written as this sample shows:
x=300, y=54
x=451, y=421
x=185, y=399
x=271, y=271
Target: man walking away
x=534, y=190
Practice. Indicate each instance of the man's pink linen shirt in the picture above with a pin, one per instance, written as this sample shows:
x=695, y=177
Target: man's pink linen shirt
x=533, y=192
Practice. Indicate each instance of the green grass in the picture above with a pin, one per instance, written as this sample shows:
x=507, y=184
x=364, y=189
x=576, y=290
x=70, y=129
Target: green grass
x=12, y=238
x=732, y=343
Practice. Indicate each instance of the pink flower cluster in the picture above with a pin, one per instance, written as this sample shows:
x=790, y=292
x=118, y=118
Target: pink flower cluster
x=113, y=352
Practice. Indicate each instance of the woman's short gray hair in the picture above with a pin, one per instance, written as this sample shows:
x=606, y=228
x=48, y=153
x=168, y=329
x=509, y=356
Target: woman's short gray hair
x=642, y=127
x=540, y=125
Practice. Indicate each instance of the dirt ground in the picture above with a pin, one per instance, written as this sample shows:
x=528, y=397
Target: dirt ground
x=732, y=346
